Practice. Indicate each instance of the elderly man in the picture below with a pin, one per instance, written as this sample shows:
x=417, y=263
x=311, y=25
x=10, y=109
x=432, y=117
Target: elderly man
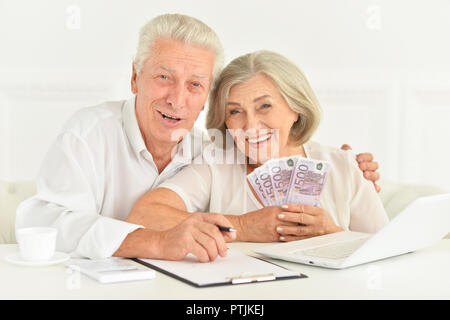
x=108, y=156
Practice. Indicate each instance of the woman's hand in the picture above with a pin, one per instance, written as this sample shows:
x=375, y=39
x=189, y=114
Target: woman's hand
x=260, y=225
x=309, y=222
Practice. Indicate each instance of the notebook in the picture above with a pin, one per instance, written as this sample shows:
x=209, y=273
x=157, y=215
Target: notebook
x=422, y=223
x=235, y=268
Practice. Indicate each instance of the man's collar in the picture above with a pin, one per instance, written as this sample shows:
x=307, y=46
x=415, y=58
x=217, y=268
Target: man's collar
x=131, y=126
x=189, y=147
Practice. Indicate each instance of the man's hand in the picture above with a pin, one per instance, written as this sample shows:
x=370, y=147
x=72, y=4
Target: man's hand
x=367, y=166
x=197, y=234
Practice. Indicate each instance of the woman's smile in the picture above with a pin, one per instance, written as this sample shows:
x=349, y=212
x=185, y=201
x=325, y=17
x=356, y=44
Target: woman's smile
x=258, y=141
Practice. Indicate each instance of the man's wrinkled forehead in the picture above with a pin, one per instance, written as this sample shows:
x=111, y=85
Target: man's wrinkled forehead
x=175, y=57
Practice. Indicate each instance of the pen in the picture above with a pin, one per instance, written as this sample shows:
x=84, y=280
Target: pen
x=226, y=229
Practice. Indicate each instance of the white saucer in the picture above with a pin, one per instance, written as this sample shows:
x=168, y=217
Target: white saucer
x=16, y=258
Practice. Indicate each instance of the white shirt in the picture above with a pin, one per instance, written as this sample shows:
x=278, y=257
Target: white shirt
x=348, y=198
x=95, y=171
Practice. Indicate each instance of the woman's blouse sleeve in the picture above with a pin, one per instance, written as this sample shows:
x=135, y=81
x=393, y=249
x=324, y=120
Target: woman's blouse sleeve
x=193, y=185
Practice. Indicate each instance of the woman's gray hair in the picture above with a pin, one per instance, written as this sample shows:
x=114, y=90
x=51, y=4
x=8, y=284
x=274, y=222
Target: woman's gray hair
x=289, y=79
x=182, y=28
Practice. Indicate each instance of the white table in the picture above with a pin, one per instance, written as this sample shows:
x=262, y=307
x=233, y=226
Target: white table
x=424, y=274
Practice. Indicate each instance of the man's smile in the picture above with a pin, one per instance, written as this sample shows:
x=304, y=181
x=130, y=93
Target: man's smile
x=168, y=119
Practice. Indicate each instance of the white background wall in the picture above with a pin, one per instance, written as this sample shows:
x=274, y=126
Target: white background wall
x=380, y=68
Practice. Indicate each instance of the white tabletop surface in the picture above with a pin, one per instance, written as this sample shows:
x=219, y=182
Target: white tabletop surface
x=424, y=274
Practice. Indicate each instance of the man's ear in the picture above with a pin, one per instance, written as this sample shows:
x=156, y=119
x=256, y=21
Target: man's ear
x=133, y=81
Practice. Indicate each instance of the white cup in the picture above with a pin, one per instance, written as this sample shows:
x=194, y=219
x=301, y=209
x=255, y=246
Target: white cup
x=37, y=243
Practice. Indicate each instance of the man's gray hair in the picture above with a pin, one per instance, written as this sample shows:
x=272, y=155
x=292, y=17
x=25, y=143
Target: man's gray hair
x=182, y=28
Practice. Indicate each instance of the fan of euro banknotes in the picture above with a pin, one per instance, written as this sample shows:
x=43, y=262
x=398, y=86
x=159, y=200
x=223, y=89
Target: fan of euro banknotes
x=290, y=180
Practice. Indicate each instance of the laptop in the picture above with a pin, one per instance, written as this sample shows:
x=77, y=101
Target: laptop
x=422, y=223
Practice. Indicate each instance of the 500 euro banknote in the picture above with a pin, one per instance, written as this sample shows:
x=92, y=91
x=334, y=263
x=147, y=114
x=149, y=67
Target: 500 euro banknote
x=307, y=181
x=280, y=172
x=262, y=184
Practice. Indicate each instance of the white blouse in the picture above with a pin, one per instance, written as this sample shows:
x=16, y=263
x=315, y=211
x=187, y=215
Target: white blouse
x=348, y=198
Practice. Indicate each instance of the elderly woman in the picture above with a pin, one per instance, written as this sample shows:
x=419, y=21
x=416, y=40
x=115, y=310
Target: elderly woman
x=260, y=94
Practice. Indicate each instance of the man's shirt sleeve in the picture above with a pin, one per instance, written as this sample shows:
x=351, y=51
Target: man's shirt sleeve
x=70, y=189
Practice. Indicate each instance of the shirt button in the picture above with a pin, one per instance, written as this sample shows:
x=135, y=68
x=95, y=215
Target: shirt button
x=146, y=155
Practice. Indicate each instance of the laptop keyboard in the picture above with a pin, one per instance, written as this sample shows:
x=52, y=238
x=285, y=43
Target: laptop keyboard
x=333, y=251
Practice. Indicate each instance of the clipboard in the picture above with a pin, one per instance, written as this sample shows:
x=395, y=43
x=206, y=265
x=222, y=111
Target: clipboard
x=235, y=268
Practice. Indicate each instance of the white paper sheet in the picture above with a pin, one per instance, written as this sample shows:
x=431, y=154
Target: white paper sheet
x=235, y=264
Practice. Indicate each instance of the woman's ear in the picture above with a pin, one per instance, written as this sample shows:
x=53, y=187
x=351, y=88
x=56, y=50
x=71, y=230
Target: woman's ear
x=297, y=121
x=294, y=126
